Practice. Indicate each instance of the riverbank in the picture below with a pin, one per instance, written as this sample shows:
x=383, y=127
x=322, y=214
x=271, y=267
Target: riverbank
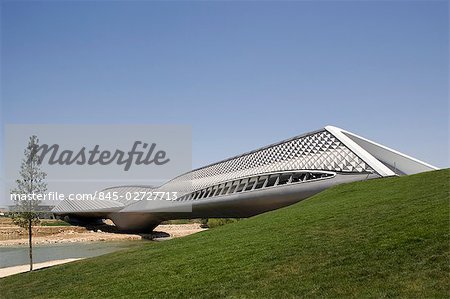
x=73, y=234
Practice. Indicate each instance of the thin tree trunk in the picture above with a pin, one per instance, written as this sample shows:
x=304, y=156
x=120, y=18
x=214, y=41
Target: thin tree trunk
x=30, y=232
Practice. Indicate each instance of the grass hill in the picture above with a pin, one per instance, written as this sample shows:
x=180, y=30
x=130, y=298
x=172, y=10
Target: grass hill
x=378, y=238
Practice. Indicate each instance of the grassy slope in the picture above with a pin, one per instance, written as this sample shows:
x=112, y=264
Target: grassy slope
x=385, y=237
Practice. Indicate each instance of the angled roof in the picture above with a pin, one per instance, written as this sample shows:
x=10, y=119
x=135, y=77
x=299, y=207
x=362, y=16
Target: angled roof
x=382, y=159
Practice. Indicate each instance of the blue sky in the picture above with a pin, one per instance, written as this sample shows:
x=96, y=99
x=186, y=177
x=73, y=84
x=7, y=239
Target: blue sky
x=242, y=74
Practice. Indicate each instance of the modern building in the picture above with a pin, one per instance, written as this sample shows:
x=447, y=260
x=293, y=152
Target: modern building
x=252, y=183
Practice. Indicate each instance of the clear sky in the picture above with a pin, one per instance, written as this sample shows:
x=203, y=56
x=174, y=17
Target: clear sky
x=242, y=74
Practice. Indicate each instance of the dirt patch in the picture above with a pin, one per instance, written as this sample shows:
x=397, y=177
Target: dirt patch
x=15, y=236
x=14, y=232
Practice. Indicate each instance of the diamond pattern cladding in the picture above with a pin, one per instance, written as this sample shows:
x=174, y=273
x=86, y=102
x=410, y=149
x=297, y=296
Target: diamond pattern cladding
x=317, y=151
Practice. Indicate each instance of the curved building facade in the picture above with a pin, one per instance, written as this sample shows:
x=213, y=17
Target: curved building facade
x=252, y=183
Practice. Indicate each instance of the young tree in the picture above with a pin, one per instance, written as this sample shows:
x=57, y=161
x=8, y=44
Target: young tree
x=30, y=183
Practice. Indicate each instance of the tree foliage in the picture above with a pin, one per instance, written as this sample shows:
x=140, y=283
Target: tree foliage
x=31, y=182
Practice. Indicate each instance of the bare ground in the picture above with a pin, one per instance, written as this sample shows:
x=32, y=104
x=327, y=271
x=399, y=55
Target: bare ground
x=71, y=234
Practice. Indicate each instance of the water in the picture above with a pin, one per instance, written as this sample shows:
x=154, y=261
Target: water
x=14, y=256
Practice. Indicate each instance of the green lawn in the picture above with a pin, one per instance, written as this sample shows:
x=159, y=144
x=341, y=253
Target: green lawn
x=379, y=238
x=54, y=223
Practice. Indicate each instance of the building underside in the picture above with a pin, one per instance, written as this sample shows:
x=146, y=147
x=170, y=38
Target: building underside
x=262, y=180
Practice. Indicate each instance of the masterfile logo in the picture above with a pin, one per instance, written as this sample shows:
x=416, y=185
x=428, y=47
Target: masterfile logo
x=87, y=158
x=148, y=155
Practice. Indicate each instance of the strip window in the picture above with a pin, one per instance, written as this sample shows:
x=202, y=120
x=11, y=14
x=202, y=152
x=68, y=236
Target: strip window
x=256, y=183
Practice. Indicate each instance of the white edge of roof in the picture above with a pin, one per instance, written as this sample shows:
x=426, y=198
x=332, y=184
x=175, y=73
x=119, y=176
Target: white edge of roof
x=366, y=156
x=373, y=162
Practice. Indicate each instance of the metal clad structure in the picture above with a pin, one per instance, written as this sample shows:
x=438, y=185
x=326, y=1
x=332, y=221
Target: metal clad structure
x=265, y=179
